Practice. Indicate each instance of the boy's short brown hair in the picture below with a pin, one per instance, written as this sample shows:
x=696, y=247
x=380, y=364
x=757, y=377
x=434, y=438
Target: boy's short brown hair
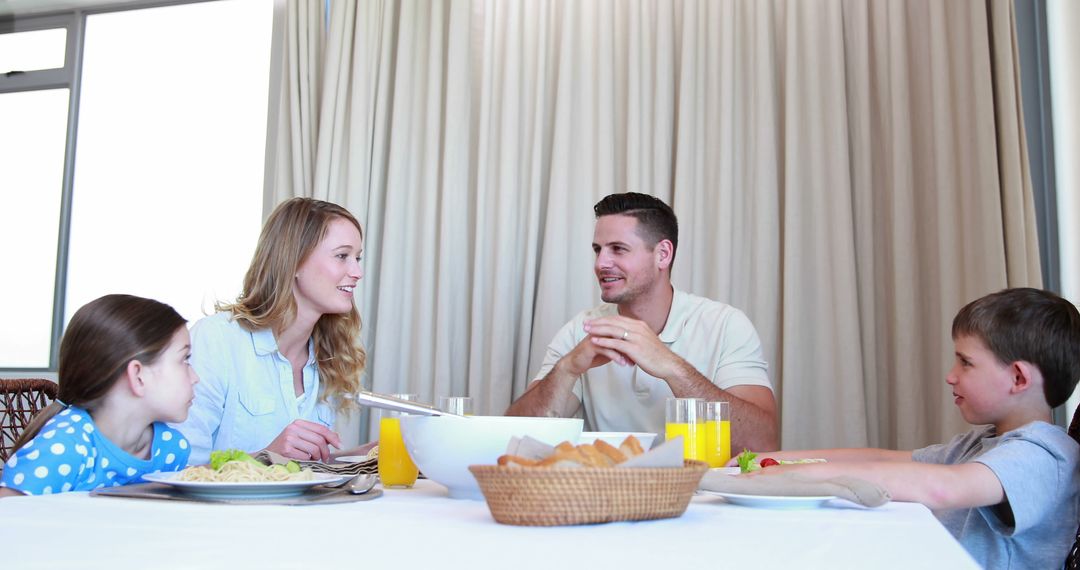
x=1030, y=325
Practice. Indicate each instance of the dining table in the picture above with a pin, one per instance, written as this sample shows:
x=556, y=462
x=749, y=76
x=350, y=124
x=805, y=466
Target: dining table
x=423, y=528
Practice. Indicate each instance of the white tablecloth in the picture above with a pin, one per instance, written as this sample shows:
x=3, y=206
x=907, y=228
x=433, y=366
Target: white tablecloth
x=420, y=528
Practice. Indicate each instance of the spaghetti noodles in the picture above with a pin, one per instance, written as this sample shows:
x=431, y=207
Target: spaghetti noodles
x=243, y=472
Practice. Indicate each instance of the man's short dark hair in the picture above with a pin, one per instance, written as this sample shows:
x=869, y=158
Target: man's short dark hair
x=1029, y=325
x=656, y=220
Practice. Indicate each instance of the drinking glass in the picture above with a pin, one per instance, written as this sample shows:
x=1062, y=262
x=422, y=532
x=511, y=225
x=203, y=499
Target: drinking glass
x=684, y=416
x=717, y=433
x=396, y=468
x=460, y=405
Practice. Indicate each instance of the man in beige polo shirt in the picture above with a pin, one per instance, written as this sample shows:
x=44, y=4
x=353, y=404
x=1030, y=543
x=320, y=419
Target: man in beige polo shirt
x=615, y=365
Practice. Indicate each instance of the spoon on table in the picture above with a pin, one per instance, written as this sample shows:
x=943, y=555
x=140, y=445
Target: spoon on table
x=358, y=485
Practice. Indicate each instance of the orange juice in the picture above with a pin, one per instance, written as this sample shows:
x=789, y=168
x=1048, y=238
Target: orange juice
x=396, y=468
x=717, y=443
x=693, y=439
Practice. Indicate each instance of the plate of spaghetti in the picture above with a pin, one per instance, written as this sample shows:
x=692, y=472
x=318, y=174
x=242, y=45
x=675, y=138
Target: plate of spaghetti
x=236, y=475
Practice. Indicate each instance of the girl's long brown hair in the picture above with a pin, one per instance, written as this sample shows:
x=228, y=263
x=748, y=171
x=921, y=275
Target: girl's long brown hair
x=267, y=300
x=103, y=336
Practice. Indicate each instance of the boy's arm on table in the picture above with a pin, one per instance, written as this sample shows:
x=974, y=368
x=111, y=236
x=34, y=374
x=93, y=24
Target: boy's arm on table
x=833, y=455
x=965, y=485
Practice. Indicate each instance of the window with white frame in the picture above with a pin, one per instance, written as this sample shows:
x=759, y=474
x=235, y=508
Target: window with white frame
x=133, y=158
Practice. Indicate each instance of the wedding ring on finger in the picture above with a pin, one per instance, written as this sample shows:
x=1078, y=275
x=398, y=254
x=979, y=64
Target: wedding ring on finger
x=625, y=334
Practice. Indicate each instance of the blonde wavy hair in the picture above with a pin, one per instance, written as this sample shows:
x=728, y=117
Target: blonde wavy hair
x=267, y=300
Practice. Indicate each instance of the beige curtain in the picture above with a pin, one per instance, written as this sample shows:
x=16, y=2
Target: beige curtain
x=849, y=173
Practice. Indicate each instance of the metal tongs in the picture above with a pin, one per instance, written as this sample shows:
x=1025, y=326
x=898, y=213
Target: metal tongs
x=373, y=400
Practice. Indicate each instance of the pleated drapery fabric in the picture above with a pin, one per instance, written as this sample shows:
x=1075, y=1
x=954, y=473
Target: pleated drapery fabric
x=848, y=173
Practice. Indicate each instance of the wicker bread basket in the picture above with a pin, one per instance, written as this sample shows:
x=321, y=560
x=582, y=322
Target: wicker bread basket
x=566, y=496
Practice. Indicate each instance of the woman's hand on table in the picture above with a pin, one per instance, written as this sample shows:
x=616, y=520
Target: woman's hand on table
x=304, y=440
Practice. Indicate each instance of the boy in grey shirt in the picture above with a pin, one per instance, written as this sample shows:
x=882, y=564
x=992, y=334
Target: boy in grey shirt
x=1008, y=489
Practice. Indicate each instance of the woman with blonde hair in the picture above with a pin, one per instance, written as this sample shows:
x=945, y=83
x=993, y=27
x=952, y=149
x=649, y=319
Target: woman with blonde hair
x=279, y=363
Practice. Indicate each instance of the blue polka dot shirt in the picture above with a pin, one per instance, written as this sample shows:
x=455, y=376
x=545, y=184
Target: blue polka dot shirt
x=70, y=454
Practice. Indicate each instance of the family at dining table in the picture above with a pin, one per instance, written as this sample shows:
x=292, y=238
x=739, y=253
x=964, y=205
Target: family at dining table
x=273, y=370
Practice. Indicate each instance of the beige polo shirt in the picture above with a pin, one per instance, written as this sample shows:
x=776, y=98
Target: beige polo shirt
x=717, y=339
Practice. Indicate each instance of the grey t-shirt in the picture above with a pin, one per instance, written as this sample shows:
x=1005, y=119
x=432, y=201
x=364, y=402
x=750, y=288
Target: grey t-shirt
x=1037, y=467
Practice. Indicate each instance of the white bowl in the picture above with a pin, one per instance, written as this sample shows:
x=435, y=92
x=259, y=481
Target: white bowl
x=444, y=447
x=616, y=437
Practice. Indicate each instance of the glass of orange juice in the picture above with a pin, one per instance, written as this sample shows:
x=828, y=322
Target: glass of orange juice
x=396, y=468
x=717, y=433
x=684, y=417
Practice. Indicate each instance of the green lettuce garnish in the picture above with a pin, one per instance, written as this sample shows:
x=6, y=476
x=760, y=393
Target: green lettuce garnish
x=289, y=468
x=219, y=458
x=746, y=461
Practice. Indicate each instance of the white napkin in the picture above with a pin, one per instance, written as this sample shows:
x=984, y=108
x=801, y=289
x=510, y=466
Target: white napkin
x=370, y=465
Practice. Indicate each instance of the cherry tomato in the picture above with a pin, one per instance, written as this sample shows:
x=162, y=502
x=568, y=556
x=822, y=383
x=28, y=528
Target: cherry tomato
x=769, y=462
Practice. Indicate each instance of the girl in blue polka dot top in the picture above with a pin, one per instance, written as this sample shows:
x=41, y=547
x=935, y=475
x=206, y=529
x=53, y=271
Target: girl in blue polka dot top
x=123, y=372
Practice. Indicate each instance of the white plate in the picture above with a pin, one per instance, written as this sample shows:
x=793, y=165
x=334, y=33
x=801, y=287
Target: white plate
x=725, y=470
x=233, y=490
x=773, y=502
